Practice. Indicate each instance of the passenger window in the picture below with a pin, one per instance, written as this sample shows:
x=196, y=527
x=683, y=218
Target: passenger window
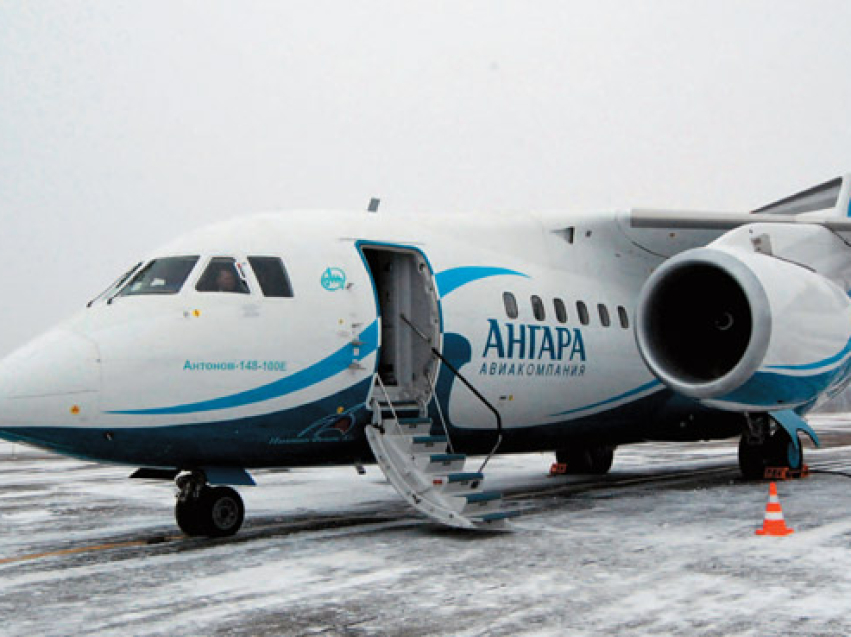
x=604, y=315
x=510, y=305
x=160, y=276
x=538, y=308
x=222, y=275
x=561, y=312
x=583, y=312
x=272, y=276
x=624, y=317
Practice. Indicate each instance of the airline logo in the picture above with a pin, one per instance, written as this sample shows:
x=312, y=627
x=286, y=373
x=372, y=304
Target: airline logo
x=333, y=279
x=532, y=350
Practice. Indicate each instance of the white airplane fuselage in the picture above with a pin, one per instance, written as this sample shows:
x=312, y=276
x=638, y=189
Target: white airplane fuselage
x=186, y=378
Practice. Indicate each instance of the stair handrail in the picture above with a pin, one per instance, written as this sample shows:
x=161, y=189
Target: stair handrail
x=389, y=402
x=467, y=384
x=439, y=411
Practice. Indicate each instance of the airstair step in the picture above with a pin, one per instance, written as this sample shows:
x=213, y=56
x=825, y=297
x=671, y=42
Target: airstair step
x=445, y=463
x=414, y=426
x=447, y=457
x=464, y=477
x=428, y=443
x=457, y=483
x=477, y=504
x=406, y=407
x=484, y=496
x=428, y=439
x=414, y=421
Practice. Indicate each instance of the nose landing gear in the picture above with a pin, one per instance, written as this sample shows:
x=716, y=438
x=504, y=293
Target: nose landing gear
x=202, y=510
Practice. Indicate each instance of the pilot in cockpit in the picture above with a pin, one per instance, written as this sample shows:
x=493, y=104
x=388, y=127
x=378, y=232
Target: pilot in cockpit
x=226, y=281
x=221, y=276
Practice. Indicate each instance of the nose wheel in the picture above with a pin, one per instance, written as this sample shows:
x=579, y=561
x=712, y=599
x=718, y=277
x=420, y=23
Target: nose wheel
x=202, y=510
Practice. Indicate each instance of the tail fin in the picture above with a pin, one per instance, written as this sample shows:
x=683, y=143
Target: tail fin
x=828, y=199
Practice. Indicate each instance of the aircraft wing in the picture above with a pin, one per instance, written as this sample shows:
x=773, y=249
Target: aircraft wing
x=819, y=216
x=691, y=220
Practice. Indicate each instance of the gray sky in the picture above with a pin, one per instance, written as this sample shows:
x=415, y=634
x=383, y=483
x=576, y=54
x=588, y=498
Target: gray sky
x=123, y=124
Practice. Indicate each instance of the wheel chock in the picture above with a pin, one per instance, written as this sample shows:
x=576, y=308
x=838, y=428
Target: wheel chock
x=558, y=469
x=776, y=473
x=785, y=473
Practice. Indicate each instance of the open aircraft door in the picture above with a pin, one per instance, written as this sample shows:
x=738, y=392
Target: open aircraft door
x=409, y=315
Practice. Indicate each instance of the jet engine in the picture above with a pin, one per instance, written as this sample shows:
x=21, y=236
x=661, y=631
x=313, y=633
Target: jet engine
x=742, y=330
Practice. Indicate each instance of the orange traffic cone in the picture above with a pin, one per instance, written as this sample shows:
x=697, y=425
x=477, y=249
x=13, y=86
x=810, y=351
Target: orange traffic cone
x=773, y=524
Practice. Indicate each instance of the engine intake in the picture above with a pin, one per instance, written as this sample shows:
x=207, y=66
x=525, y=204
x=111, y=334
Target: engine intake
x=703, y=323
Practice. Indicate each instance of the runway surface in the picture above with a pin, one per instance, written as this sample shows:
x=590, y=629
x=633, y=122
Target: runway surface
x=664, y=544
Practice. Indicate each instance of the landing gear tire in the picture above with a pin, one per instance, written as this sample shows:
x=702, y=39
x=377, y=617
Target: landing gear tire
x=776, y=450
x=214, y=512
x=223, y=510
x=188, y=517
x=752, y=461
x=593, y=460
x=784, y=452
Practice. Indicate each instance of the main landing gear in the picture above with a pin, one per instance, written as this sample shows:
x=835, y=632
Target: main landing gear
x=205, y=510
x=595, y=460
x=766, y=444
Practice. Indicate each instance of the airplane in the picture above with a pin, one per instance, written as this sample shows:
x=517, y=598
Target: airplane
x=311, y=338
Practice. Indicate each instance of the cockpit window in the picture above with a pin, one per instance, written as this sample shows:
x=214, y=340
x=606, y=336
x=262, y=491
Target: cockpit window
x=222, y=275
x=160, y=276
x=272, y=276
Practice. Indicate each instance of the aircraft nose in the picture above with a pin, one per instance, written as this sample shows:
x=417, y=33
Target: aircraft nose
x=51, y=379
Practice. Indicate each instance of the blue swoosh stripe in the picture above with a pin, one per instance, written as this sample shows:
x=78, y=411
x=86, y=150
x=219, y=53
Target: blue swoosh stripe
x=822, y=363
x=316, y=373
x=776, y=390
x=452, y=279
x=631, y=392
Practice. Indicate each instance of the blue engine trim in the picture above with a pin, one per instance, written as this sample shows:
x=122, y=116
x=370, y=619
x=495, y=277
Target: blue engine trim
x=454, y=278
x=845, y=351
x=770, y=391
x=323, y=370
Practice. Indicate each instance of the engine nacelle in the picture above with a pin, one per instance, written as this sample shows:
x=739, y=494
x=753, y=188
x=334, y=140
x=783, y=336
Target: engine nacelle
x=741, y=330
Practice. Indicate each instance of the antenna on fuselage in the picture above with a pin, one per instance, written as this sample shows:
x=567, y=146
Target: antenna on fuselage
x=373, y=204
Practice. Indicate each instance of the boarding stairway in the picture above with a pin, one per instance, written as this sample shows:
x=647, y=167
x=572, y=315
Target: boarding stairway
x=427, y=474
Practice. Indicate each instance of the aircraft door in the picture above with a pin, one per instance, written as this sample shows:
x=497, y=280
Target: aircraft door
x=404, y=287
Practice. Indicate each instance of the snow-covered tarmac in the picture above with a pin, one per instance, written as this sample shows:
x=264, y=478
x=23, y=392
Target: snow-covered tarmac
x=663, y=545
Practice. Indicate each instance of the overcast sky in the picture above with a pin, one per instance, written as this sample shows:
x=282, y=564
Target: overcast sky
x=123, y=124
